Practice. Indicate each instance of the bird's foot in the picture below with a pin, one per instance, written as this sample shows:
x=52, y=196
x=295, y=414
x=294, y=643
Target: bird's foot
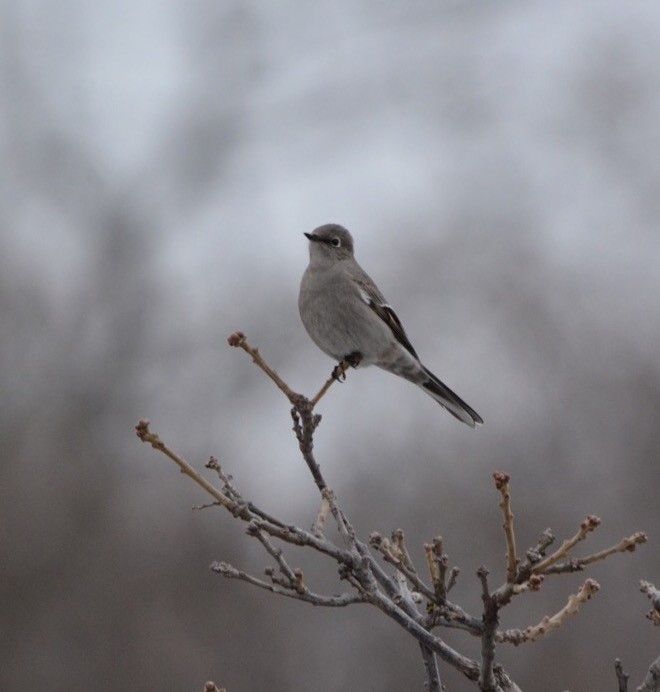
x=350, y=360
x=339, y=372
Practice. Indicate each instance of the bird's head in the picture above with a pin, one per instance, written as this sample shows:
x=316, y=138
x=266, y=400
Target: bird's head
x=330, y=242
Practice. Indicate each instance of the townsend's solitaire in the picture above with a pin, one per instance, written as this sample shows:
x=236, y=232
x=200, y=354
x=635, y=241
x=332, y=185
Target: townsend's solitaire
x=349, y=319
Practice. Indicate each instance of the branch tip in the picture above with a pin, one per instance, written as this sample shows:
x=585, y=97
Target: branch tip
x=654, y=594
x=237, y=339
x=210, y=686
x=212, y=464
x=501, y=478
x=621, y=676
x=590, y=522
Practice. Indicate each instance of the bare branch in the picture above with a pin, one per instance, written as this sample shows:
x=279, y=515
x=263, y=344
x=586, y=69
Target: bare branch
x=502, y=484
x=338, y=601
x=239, y=340
x=304, y=424
x=621, y=676
x=210, y=686
x=549, y=623
x=490, y=621
x=651, y=682
x=398, y=539
x=434, y=683
x=463, y=664
x=436, y=571
x=384, y=547
x=654, y=594
x=588, y=524
x=577, y=564
x=275, y=553
x=143, y=432
x=453, y=576
x=321, y=516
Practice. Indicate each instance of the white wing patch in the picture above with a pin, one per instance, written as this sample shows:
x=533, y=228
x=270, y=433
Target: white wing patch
x=364, y=295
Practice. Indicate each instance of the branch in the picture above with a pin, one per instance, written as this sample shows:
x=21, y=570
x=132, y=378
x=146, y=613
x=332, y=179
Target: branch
x=463, y=664
x=621, y=676
x=434, y=683
x=549, y=623
x=577, y=564
x=210, y=686
x=490, y=621
x=338, y=601
x=502, y=484
x=654, y=594
x=275, y=553
x=143, y=432
x=384, y=547
x=437, y=562
x=651, y=682
x=239, y=340
x=588, y=524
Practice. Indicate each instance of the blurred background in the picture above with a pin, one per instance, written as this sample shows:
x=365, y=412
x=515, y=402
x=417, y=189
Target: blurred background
x=498, y=166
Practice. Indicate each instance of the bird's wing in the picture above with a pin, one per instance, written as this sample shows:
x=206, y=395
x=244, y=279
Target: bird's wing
x=375, y=300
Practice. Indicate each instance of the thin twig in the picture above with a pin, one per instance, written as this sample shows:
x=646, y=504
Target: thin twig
x=502, y=484
x=621, y=676
x=321, y=516
x=338, y=601
x=143, y=432
x=239, y=340
x=453, y=576
x=654, y=594
x=210, y=686
x=384, y=547
x=577, y=564
x=399, y=539
x=276, y=553
x=549, y=623
x=588, y=524
x=651, y=682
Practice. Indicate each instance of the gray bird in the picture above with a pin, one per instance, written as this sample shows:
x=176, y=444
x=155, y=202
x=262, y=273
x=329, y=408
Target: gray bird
x=349, y=319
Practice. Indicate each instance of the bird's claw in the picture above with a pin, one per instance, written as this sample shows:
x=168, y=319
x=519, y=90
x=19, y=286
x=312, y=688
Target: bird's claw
x=339, y=372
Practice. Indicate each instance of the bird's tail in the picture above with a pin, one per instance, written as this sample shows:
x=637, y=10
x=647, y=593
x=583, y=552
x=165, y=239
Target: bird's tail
x=452, y=402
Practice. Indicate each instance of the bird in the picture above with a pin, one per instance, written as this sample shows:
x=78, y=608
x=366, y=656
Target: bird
x=348, y=318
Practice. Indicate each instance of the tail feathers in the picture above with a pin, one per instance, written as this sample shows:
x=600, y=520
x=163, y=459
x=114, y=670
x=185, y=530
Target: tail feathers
x=452, y=402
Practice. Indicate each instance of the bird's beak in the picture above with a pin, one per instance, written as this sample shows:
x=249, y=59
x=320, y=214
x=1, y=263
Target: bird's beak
x=313, y=238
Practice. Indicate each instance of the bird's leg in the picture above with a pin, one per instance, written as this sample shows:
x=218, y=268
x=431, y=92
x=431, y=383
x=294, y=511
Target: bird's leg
x=350, y=360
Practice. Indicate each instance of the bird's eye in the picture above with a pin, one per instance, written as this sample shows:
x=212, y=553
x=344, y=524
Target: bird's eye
x=335, y=242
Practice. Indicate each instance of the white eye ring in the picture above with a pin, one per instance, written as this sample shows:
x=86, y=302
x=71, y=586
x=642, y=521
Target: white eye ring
x=335, y=242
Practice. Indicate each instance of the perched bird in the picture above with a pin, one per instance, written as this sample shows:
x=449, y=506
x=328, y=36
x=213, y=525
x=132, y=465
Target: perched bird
x=348, y=318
